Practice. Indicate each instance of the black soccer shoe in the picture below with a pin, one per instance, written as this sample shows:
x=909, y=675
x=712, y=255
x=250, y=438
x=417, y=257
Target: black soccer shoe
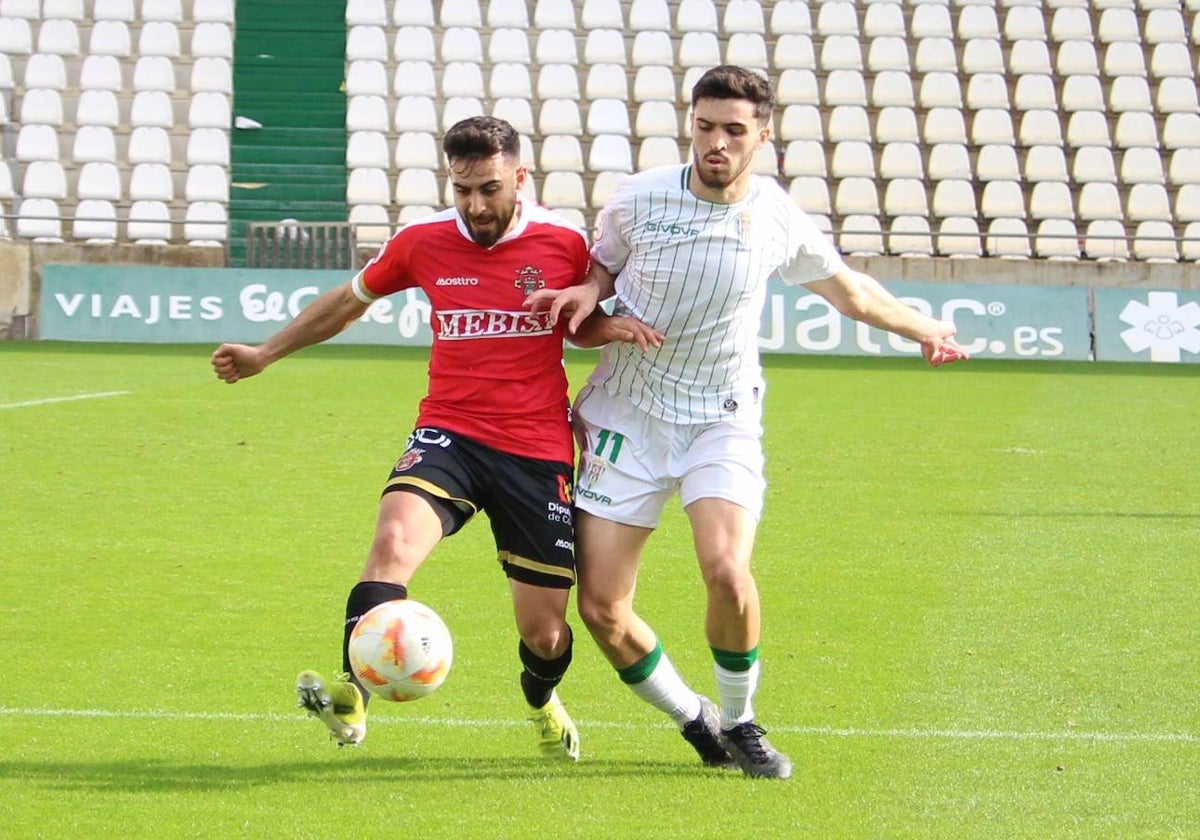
x=756, y=757
x=704, y=734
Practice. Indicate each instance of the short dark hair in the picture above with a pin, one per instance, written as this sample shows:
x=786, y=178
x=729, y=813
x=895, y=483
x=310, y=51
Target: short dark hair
x=727, y=81
x=479, y=138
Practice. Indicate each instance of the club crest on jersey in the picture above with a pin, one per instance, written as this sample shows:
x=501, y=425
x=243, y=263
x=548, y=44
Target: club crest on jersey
x=744, y=226
x=409, y=460
x=529, y=279
x=595, y=469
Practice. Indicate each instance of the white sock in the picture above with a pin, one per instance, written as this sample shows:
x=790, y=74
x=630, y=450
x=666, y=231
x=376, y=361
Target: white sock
x=666, y=691
x=736, y=690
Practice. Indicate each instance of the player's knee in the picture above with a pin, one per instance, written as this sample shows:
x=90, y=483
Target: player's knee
x=603, y=618
x=546, y=637
x=728, y=582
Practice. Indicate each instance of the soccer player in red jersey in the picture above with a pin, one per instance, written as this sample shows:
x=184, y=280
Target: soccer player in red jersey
x=492, y=433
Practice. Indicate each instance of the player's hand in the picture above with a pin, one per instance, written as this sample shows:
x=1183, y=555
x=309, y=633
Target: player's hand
x=232, y=362
x=577, y=302
x=942, y=348
x=631, y=330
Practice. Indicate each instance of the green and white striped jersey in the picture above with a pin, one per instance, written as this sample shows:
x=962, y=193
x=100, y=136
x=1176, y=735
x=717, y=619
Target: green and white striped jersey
x=697, y=272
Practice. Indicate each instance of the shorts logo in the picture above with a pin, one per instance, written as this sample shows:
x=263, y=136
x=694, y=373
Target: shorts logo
x=565, y=494
x=409, y=460
x=595, y=469
x=729, y=405
x=599, y=498
x=529, y=279
x=556, y=512
x=567, y=544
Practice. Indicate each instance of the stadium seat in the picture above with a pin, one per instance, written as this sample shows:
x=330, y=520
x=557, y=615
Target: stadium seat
x=1105, y=241
x=801, y=122
x=416, y=150
x=561, y=153
x=366, y=149
x=885, y=52
x=982, y=55
x=24, y=9
x=509, y=46
x=1177, y=95
x=366, y=78
x=944, y=125
x=44, y=179
x=413, y=13
x=856, y=196
x=861, y=235
x=1082, y=93
x=1129, y=93
x=412, y=78
x=1189, y=248
x=509, y=79
x=553, y=14
x=1171, y=60
x=367, y=185
x=37, y=143
x=604, y=46
x=845, y=87
x=841, y=52
x=97, y=107
x=149, y=144
x=557, y=46
x=460, y=13
x=1088, y=128
x=699, y=49
x=849, y=122
x=368, y=113
x=149, y=223
x=517, y=112
x=1147, y=203
x=1093, y=164
x=744, y=16
x=1185, y=166
x=16, y=38
x=152, y=107
x=462, y=78
x=649, y=15
x=415, y=43
x=949, y=161
x=1100, y=200
x=1029, y=57
x=896, y=124
x=601, y=14
x=371, y=224
x=366, y=13
x=152, y=10
x=1136, y=129
x=39, y=219
x=415, y=113
x=50, y=71
x=958, y=237
x=906, y=197
x=1187, y=203
x=884, y=20
x=910, y=236
x=837, y=17
x=1024, y=22
x=563, y=189
x=608, y=116
x=746, y=49
x=1051, y=200
x=1072, y=23
x=1180, y=130
x=610, y=153
x=1076, y=58
x=935, y=55
x=208, y=145
x=1008, y=238
x=992, y=125
x=121, y=10
x=892, y=87
x=901, y=160
x=795, y=86
x=43, y=106
x=110, y=37
x=151, y=182
x=930, y=20
x=1002, y=199
x=363, y=43
x=209, y=110
x=206, y=223
x=560, y=116
x=1154, y=241
x=93, y=143
x=852, y=159
x=607, y=81
x=1056, y=239
x=653, y=82
x=458, y=108
x=1117, y=24
x=211, y=74
x=940, y=89
x=159, y=38
x=805, y=158
x=811, y=194
x=1035, y=91
x=1124, y=58
x=1040, y=127
x=787, y=16
x=95, y=221
x=978, y=22
x=656, y=119
x=59, y=37
x=215, y=40
x=656, y=151
x=557, y=81
x=416, y=186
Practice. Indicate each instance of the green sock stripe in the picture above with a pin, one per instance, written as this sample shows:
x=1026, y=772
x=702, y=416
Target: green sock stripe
x=643, y=668
x=732, y=661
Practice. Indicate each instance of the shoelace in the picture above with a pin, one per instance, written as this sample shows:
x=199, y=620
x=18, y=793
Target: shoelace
x=748, y=737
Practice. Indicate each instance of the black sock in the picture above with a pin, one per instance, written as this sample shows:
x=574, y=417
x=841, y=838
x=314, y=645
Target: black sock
x=365, y=595
x=541, y=675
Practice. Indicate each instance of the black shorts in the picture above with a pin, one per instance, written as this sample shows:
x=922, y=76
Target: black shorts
x=527, y=500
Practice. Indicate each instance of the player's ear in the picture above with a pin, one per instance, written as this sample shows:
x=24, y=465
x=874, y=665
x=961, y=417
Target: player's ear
x=522, y=174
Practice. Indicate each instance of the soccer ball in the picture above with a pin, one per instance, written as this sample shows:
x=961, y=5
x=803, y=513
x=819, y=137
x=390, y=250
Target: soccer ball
x=401, y=650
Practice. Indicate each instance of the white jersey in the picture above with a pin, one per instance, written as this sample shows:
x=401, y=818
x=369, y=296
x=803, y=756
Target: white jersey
x=697, y=272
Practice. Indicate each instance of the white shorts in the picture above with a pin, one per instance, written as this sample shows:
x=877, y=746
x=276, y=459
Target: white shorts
x=631, y=463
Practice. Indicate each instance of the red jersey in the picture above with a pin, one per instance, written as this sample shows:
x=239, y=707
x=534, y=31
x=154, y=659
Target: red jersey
x=495, y=369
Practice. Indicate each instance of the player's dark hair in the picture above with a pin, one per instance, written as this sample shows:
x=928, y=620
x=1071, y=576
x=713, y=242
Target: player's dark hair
x=727, y=81
x=479, y=138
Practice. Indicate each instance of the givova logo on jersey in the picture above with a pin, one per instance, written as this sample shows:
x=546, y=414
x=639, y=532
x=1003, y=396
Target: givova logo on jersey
x=467, y=324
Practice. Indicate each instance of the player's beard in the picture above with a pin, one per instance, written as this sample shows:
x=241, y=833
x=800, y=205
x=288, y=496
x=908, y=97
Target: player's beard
x=488, y=234
x=714, y=180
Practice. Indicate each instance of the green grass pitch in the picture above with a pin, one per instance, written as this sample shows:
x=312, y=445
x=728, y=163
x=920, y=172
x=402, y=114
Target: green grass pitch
x=979, y=589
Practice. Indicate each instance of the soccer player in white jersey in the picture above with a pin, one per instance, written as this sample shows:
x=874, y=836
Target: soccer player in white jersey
x=688, y=251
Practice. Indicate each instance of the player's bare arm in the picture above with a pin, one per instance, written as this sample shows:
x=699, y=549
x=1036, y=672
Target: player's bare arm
x=861, y=297
x=600, y=328
x=321, y=320
x=577, y=301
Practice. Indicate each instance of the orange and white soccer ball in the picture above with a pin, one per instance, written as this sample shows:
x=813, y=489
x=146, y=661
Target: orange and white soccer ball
x=401, y=650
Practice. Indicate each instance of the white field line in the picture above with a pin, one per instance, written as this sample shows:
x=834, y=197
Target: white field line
x=818, y=731
x=51, y=400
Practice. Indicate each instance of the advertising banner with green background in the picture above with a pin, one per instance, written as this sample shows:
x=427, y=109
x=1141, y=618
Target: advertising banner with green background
x=151, y=305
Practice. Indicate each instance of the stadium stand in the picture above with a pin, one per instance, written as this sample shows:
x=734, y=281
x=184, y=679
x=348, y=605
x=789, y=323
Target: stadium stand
x=1055, y=130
